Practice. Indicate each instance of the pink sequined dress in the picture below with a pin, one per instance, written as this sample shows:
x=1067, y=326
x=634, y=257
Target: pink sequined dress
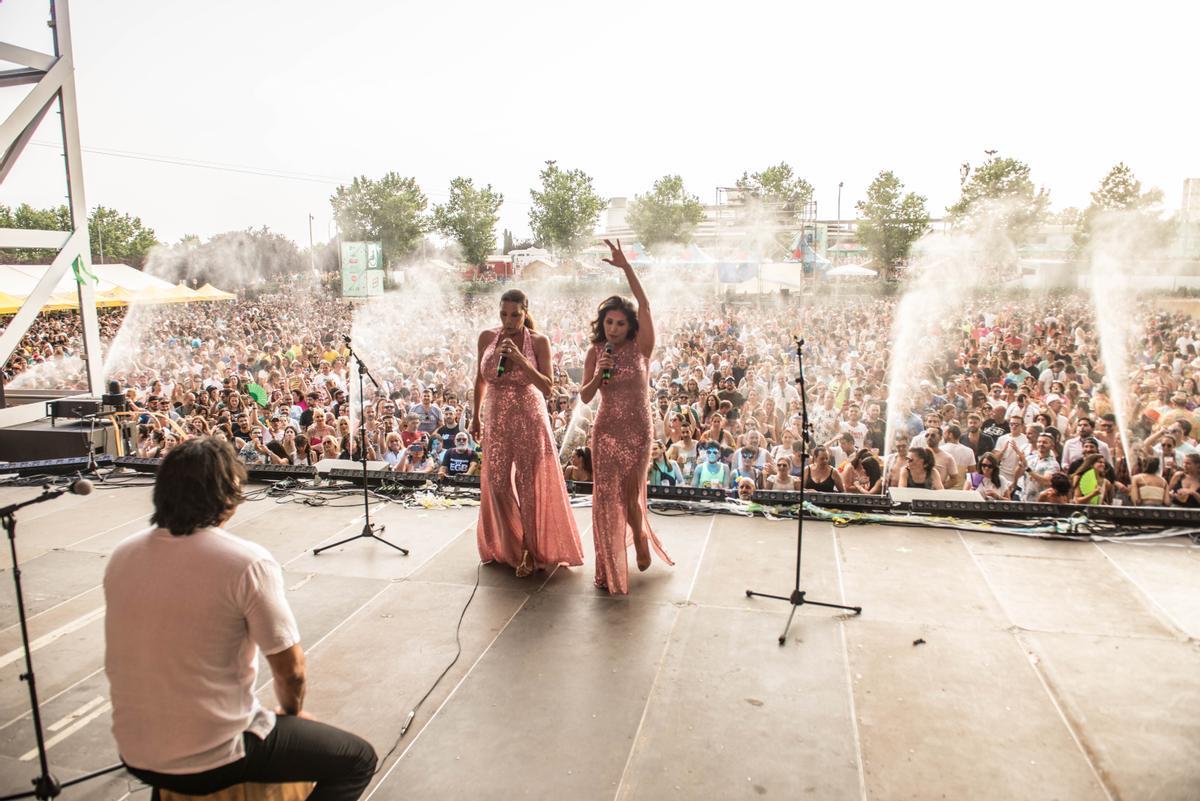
x=621, y=436
x=523, y=497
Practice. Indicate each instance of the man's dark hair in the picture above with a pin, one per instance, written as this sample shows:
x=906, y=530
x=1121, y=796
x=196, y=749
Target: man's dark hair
x=198, y=485
x=1184, y=426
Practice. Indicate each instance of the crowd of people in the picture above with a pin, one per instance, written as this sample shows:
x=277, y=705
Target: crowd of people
x=1011, y=398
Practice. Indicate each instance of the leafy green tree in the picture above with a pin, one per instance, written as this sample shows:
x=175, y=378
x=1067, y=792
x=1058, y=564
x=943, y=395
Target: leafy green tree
x=122, y=237
x=118, y=238
x=507, y=247
x=390, y=210
x=469, y=217
x=24, y=216
x=565, y=211
x=999, y=204
x=779, y=190
x=891, y=221
x=1120, y=198
x=666, y=214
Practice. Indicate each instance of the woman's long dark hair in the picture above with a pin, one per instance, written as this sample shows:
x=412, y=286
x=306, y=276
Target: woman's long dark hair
x=612, y=304
x=585, y=453
x=198, y=484
x=926, y=457
x=992, y=474
x=519, y=297
x=870, y=465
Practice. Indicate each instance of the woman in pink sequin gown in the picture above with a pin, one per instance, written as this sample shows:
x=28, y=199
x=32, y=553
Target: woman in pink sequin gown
x=525, y=515
x=622, y=341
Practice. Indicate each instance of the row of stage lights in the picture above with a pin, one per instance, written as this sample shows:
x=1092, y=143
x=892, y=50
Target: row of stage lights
x=1138, y=515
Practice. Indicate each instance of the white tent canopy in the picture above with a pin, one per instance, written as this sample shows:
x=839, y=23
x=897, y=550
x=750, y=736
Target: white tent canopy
x=19, y=280
x=852, y=271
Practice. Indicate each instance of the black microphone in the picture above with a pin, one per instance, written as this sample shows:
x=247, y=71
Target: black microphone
x=607, y=370
x=346, y=338
x=502, y=366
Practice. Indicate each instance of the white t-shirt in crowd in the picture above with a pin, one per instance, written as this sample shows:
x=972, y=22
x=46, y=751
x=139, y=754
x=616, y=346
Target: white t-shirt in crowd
x=1008, y=457
x=859, y=430
x=963, y=456
x=186, y=617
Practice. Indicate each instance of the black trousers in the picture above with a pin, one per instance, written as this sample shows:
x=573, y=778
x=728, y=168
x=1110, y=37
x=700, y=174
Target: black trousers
x=296, y=750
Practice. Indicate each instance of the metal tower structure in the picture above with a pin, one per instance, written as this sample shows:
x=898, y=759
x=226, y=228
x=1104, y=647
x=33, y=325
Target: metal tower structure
x=52, y=76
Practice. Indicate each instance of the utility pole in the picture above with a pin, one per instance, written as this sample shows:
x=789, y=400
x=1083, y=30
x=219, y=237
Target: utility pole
x=312, y=256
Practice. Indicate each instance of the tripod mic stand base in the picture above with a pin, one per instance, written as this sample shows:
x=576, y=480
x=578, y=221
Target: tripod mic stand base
x=369, y=531
x=797, y=600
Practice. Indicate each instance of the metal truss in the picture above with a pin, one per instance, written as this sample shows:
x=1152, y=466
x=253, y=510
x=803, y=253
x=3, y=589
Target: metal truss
x=53, y=80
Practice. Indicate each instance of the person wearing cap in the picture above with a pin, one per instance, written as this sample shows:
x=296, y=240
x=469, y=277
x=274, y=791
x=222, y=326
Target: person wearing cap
x=729, y=393
x=1054, y=408
x=1073, y=448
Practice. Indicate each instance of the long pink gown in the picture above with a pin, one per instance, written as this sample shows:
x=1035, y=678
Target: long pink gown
x=523, y=497
x=621, y=436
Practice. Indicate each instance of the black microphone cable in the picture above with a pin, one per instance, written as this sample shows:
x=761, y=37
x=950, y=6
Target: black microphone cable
x=412, y=713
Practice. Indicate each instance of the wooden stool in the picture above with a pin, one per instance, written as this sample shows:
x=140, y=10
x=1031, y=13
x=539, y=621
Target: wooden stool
x=296, y=791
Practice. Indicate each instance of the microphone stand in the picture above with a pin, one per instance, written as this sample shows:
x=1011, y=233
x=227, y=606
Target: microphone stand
x=45, y=786
x=368, y=530
x=797, y=597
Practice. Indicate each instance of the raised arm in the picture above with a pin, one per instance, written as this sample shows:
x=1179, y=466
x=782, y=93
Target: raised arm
x=645, y=339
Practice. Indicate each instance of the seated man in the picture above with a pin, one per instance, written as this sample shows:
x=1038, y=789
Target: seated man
x=189, y=606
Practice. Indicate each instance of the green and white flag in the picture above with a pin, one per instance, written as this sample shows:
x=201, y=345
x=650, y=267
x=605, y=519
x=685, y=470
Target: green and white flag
x=83, y=271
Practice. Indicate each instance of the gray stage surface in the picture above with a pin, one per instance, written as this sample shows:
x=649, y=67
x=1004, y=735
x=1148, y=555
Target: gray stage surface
x=1050, y=670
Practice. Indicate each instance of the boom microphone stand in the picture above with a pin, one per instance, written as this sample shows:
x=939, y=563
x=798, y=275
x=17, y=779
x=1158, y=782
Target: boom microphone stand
x=797, y=597
x=368, y=529
x=45, y=786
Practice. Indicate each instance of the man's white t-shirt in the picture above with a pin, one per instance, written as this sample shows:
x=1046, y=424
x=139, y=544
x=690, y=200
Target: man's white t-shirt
x=186, y=617
x=963, y=456
x=859, y=430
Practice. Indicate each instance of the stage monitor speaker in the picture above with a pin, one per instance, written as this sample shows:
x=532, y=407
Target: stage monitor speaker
x=909, y=494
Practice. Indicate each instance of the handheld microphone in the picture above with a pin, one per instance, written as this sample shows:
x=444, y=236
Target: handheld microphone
x=502, y=366
x=608, y=350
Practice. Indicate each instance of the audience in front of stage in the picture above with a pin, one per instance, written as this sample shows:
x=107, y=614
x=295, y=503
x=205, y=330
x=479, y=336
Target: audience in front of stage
x=1021, y=380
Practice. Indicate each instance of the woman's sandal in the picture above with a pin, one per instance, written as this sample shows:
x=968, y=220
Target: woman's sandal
x=643, y=559
x=527, y=566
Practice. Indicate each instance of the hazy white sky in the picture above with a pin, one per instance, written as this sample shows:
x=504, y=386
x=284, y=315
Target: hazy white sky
x=626, y=90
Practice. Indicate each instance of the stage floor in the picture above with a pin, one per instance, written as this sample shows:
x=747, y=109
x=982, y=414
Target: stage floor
x=1049, y=670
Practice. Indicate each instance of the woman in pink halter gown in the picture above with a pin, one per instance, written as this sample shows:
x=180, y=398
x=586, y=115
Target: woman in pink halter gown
x=622, y=341
x=525, y=515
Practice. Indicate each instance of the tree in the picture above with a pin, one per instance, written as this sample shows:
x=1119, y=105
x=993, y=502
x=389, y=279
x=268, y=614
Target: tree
x=122, y=237
x=469, y=217
x=891, y=222
x=779, y=191
x=118, y=238
x=1120, y=196
x=1067, y=217
x=507, y=247
x=390, y=210
x=24, y=216
x=999, y=204
x=667, y=214
x=565, y=211
x=233, y=259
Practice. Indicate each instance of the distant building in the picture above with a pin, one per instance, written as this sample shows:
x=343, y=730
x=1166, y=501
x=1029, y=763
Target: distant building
x=521, y=258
